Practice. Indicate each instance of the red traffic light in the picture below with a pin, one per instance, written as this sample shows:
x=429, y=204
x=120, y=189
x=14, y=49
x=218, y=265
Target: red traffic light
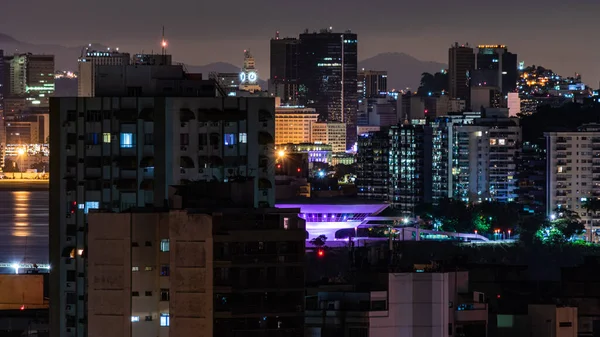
x=298, y=169
x=320, y=253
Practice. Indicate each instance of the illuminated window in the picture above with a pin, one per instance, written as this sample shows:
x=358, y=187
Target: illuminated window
x=106, y=137
x=135, y=268
x=135, y=318
x=229, y=139
x=243, y=138
x=164, y=320
x=493, y=141
x=91, y=205
x=164, y=245
x=127, y=140
x=502, y=141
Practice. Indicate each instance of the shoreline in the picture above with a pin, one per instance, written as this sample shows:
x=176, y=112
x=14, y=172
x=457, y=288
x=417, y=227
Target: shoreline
x=24, y=185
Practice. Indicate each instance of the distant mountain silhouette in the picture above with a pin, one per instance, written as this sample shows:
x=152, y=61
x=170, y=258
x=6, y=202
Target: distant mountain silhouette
x=403, y=70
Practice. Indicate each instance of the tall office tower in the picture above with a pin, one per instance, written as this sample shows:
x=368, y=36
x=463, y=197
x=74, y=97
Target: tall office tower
x=410, y=176
x=29, y=79
x=2, y=79
x=284, y=69
x=572, y=175
x=293, y=124
x=372, y=83
x=132, y=148
x=249, y=74
x=328, y=77
x=372, y=173
x=87, y=64
x=461, y=61
x=498, y=67
x=214, y=268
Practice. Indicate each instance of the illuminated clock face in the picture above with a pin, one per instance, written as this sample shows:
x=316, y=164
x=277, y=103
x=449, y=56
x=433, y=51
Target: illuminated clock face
x=252, y=77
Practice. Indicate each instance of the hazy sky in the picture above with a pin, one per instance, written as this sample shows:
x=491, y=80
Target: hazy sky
x=559, y=34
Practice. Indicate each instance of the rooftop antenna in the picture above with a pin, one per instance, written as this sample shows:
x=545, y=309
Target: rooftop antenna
x=164, y=46
x=277, y=35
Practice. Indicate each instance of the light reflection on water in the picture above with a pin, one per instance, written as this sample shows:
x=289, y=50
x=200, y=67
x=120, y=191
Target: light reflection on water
x=24, y=226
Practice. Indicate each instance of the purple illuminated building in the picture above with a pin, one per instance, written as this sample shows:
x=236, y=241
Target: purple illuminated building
x=327, y=219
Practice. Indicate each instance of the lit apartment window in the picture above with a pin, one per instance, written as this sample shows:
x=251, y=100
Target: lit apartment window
x=164, y=319
x=148, y=269
x=135, y=268
x=106, y=137
x=164, y=245
x=135, y=318
x=243, y=138
x=91, y=205
x=127, y=140
x=229, y=139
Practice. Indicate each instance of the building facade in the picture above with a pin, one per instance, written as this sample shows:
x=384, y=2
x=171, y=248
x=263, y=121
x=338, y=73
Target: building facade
x=331, y=133
x=293, y=124
x=29, y=79
x=573, y=174
x=328, y=77
x=115, y=153
x=461, y=61
x=372, y=83
x=230, y=273
x=372, y=160
x=284, y=69
x=499, y=66
x=87, y=67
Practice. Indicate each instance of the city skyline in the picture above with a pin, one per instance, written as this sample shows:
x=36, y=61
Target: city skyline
x=198, y=41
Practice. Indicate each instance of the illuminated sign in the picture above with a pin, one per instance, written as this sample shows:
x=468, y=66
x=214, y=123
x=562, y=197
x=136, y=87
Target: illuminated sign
x=251, y=77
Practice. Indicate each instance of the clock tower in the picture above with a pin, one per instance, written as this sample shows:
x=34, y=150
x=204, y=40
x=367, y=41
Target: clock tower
x=249, y=75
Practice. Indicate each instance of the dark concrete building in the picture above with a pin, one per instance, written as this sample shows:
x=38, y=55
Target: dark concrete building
x=284, y=69
x=461, y=61
x=328, y=76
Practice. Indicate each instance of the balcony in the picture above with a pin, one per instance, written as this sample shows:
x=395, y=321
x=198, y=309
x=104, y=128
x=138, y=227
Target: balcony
x=471, y=312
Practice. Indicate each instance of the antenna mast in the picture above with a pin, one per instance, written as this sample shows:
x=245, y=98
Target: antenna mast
x=164, y=47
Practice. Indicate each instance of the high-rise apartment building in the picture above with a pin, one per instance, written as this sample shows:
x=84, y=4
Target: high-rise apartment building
x=372, y=83
x=214, y=269
x=461, y=61
x=531, y=168
x=485, y=159
x=284, y=69
x=498, y=67
x=29, y=79
x=472, y=159
x=372, y=161
x=409, y=167
x=573, y=174
x=118, y=152
x=331, y=133
x=293, y=124
x=87, y=67
x=328, y=77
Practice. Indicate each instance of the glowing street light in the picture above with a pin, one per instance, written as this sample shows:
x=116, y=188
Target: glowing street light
x=281, y=153
x=552, y=216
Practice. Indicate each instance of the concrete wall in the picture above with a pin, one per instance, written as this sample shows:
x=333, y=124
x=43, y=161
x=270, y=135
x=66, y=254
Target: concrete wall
x=18, y=290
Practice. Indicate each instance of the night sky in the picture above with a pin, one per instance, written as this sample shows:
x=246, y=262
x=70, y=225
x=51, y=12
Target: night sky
x=562, y=35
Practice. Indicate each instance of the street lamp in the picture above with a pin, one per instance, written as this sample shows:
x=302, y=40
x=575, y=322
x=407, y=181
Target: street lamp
x=20, y=154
